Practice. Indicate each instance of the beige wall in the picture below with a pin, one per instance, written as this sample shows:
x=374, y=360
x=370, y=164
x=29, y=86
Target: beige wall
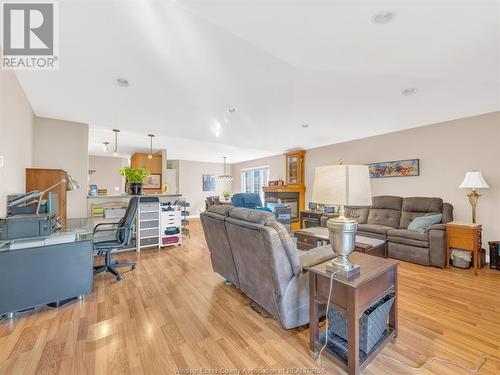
x=190, y=182
x=107, y=173
x=64, y=145
x=16, y=137
x=446, y=151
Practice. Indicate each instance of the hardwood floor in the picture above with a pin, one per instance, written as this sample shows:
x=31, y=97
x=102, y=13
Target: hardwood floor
x=174, y=312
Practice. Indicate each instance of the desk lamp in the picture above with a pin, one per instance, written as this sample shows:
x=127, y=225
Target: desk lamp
x=342, y=185
x=71, y=184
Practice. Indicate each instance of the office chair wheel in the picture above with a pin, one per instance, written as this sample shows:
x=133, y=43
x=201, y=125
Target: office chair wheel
x=133, y=267
x=118, y=278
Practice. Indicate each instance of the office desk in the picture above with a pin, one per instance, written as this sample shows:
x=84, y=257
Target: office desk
x=47, y=270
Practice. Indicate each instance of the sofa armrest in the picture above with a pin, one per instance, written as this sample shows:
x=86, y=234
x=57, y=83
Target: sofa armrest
x=316, y=256
x=436, y=227
x=437, y=247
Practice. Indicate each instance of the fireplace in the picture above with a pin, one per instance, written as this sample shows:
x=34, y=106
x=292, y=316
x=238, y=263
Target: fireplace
x=291, y=199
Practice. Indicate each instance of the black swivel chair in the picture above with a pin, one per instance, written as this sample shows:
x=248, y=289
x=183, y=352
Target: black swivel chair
x=122, y=238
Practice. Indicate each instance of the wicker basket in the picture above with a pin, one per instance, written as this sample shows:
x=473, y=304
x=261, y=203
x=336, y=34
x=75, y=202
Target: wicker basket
x=372, y=324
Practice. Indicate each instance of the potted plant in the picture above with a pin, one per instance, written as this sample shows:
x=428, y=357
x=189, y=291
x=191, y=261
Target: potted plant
x=135, y=178
x=226, y=195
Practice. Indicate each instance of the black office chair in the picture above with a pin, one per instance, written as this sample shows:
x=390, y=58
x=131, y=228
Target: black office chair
x=122, y=238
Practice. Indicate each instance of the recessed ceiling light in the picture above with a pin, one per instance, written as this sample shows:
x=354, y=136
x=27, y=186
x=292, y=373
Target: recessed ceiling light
x=231, y=110
x=382, y=18
x=305, y=126
x=122, y=82
x=409, y=91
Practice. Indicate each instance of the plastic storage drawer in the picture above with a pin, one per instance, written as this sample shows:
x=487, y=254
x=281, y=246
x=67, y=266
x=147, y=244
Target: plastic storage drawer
x=169, y=240
x=153, y=241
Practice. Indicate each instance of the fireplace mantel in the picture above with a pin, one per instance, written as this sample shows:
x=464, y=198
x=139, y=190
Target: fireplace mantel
x=284, y=193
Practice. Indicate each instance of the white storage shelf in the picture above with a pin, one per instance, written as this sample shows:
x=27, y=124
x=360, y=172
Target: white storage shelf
x=171, y=220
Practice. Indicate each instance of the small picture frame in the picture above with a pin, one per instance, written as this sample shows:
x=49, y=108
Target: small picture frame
x=152, y=182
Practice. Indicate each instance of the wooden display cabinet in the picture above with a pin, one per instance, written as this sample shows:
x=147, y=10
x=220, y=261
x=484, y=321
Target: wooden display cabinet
x=295, y=167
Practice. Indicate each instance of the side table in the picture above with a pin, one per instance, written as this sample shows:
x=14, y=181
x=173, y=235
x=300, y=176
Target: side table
x=464, y=236
x=352, y=297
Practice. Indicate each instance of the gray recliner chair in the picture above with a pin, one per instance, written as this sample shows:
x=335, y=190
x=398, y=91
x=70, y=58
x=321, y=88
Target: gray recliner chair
x=256, y=253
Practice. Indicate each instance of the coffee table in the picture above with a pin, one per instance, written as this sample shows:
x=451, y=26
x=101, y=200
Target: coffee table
x=309, y=238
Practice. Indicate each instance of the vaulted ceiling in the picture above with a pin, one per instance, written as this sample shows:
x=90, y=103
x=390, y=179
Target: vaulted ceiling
x=281, y=64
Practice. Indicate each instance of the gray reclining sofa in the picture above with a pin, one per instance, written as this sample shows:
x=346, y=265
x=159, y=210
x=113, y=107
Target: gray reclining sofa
x=389, y=217
x=256, y=253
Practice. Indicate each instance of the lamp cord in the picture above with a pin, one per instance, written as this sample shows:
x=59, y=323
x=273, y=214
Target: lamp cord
x=318, y=358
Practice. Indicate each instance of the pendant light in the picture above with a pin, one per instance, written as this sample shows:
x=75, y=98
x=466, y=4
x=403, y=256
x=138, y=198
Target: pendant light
x=225, y=176
x=115, y=151
x=151, y=136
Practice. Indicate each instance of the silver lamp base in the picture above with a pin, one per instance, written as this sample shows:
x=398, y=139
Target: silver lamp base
x=342, y=271
x=342, y=233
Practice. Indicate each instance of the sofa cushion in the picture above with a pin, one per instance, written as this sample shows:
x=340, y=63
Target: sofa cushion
x=422, y=223
x=374, y=228
x=408, y=237
x=405, y=233
x=419, y=206
x=386, y=210
x=360, y=214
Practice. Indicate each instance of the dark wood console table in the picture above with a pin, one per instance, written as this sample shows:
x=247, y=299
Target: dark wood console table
x=377, y=278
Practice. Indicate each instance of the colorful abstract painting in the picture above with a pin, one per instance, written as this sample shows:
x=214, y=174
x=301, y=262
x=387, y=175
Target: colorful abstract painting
x=400, y=168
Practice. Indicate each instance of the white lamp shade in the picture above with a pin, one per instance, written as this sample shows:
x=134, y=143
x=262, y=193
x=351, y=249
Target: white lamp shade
x=342, y=184
x=474, y=180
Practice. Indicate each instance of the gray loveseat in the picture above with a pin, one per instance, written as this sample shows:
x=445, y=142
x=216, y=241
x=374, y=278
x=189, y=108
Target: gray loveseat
x=256, y=253
x=388, y=218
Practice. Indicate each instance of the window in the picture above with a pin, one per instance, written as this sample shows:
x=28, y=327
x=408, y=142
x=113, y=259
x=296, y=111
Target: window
x=253, y=179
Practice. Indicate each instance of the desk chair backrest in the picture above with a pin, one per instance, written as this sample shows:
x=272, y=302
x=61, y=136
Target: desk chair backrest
x=125, y=236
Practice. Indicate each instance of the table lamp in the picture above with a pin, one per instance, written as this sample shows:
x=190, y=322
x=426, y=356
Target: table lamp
x=342, y=185
x=474, y=180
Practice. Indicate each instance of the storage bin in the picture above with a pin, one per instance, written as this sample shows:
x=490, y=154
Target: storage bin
x=169, y=240
x=150, y=224
x=461, y=258
x=153, y=241
x=149, y=206
x=372, y=323
x=149, y=215
x=149, y=232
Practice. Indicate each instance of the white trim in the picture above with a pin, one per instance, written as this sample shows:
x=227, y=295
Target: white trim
x=255, y=168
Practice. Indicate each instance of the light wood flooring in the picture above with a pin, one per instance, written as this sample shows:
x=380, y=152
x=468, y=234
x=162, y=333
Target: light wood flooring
x=174, y=312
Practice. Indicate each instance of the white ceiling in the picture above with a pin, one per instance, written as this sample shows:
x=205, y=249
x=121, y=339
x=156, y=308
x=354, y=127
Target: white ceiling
x=280, y=63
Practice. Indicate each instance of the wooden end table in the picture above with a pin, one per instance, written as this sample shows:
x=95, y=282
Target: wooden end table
x=309, y=238
x=464, y=236
x=352, y=297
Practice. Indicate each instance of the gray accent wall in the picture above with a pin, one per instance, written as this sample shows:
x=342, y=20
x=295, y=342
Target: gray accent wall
x=446, y=151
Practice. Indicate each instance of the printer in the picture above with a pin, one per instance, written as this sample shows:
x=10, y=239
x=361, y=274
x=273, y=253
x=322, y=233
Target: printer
x=23, y=222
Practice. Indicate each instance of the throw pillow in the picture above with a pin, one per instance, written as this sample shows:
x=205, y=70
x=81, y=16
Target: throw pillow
x=421, y=223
